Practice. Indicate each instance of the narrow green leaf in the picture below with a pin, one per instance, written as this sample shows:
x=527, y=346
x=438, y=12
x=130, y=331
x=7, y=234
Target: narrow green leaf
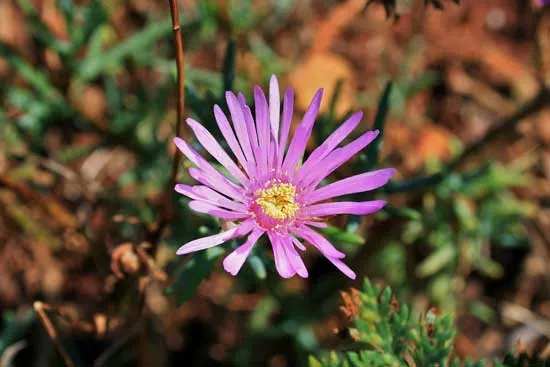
x=406, y=213
x=334, y=99
x=189, y=276
x=40, y=30
x=257, y=266
x=373, y=151
x=36, y=79
x=95, y=16
x=338, y=235
x=436, y=261
x=94, y=65
x=14, y=328
x=228, y=69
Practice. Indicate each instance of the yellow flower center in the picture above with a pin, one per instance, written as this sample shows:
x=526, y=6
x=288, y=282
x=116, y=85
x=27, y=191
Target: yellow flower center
x=278, y=201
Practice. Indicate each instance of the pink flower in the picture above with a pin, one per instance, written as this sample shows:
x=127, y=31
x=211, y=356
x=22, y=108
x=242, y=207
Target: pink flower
x=267, y=192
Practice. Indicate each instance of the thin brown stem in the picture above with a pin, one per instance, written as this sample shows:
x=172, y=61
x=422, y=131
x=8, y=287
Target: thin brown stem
x=178, y=42
x=40, y=309
x=167, y=210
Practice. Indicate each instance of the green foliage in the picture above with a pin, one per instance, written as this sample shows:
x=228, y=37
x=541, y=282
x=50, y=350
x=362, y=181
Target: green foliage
x=388, y=334
x=373, y=151
x=14, y=328
x=453, y=224
x=465, y=216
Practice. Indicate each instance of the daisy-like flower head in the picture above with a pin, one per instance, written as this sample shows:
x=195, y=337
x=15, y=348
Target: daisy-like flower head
x=266, y=191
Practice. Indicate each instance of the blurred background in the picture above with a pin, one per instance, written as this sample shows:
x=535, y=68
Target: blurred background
x=89, y=224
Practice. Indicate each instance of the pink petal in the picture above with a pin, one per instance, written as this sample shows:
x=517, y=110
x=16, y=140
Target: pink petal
x=345, y=207
x=229, y=137
x=219, y=181
x=262, y=127
x=250, y=124
x=217, y=239
x=294, y=258
x=274, y=106
x=319, y=242
x=301, y=136
x=283, y=265
x=326, y=248
x=351, y=185
x=338, y=157
x=205, y=193
x=239, y=123
x=288, y=109
x=316, y=224
x=342, y=267
x=207, y=208
x=235, y=260
x=329, y=144
x=271, y=155
x=213, y=147
x=298, y=243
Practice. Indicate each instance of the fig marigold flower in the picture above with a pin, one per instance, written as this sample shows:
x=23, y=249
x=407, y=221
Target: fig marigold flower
x=266, y=191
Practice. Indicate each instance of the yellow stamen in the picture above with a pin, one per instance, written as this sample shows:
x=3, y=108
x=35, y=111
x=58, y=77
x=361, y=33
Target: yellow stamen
x=278, y=201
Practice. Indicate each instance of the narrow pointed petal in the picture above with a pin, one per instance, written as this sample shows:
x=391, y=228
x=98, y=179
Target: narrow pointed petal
x=316, y=224
x=301, y=136
x=345, y=207
x=207, y=208
x=237, y=116
x=283, y=265
x=274, y=106
x=338, y=157
x=288, y=110
x=204, y=193
x=250, y=123
x=329, y=144
x=217, y=239
x=271, y=156
x=319, y=242
x=229, y=136
x=342, y=267
x=263, y=129
x=235, y=260
x=351, y=185
x=213, y=147
x=294, y=258
x=218, y=181
x=298, y=243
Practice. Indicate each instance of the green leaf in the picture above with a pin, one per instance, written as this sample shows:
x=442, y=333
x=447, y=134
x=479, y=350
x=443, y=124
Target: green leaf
x=406, y=213
x=228, y=69
x=314, y=362
x=95, y=18
x=35, y=78
x=189, y=276
x=373, y=151
x=489, y=267
x=334, y=99
x=40, y=30
x=14, y=328
x=95, y=65
x=338, y=235
x=427, y=80
x=436, y=261
x=257, y=266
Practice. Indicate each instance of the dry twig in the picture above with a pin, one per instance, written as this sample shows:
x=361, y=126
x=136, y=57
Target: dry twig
x=40, y=309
